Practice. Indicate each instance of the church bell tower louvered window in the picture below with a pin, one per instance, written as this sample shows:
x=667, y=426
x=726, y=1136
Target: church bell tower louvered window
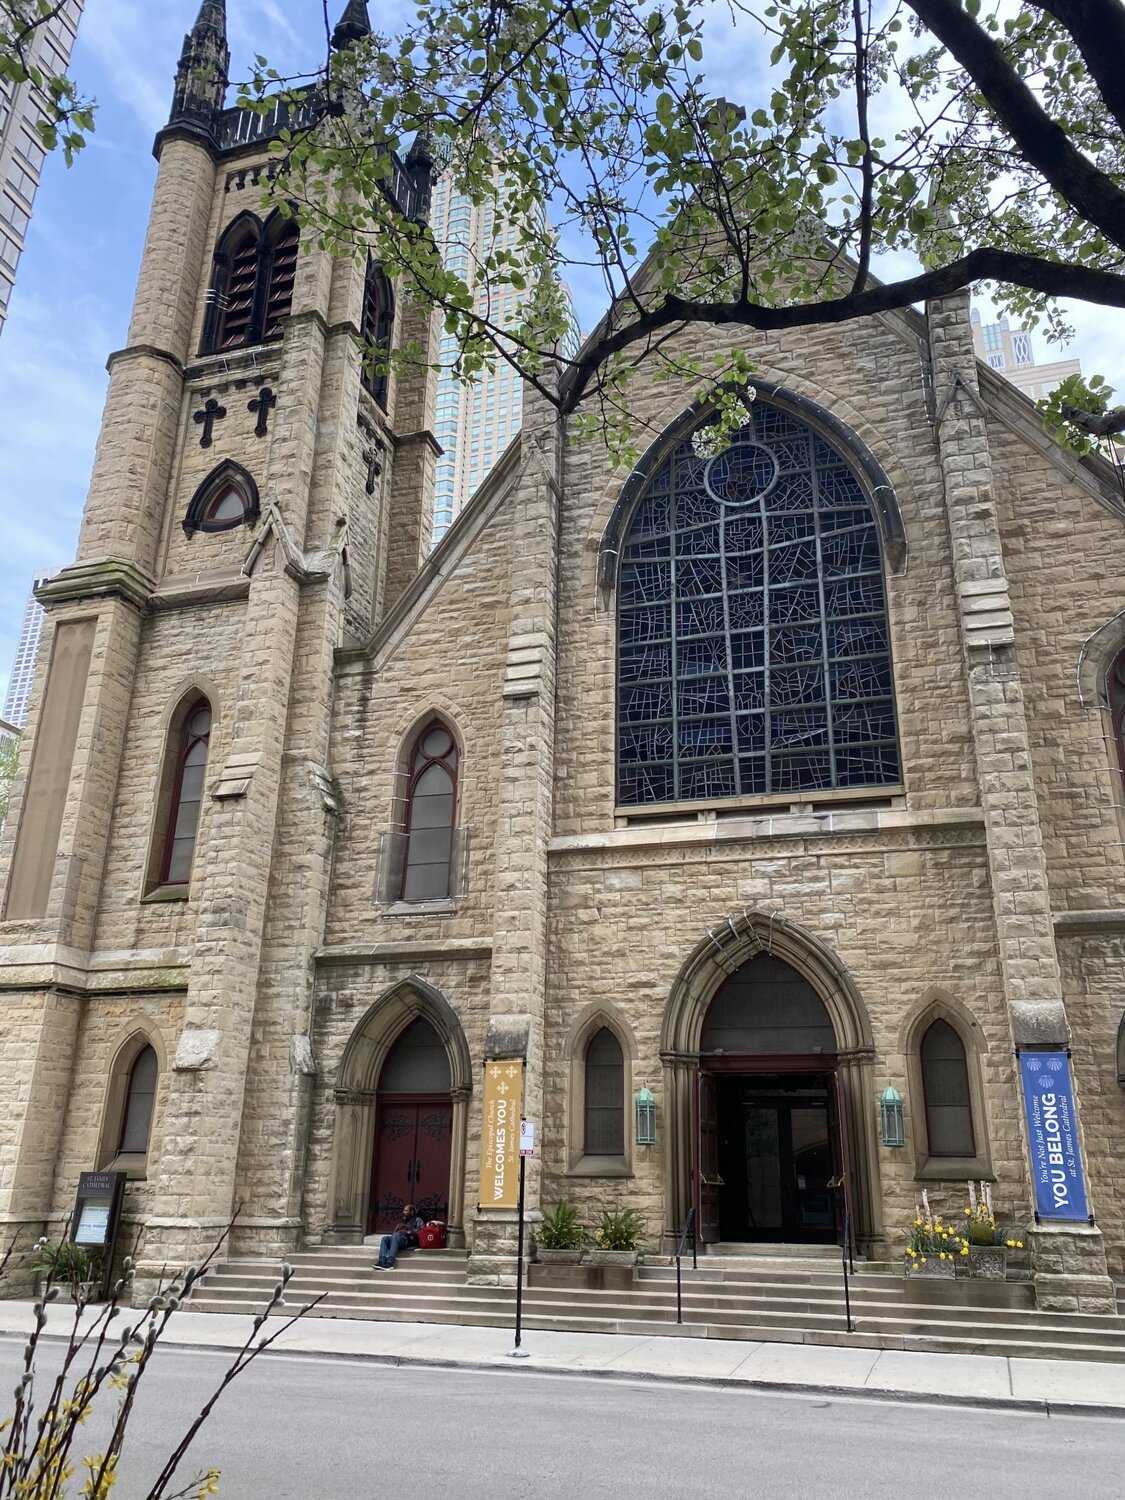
x=252, y=285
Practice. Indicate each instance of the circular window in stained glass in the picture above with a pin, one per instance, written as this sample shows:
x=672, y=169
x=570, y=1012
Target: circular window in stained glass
x=437, y=743
x=745, y=472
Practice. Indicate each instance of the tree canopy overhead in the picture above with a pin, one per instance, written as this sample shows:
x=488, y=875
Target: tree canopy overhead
x=975, y=144
x=709, y=161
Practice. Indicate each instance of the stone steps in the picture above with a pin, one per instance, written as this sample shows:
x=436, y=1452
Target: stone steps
x=241, y=1280
x=774, y=1299
x=891, y=1316
x=998, y=1293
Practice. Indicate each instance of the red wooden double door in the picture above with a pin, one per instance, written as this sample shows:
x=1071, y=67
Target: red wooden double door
x=410, y=1164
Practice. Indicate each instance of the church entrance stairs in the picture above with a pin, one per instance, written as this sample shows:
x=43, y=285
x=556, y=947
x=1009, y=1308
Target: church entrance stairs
x=764, y=1297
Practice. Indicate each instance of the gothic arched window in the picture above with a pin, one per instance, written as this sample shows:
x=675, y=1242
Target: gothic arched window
x=753, y=643
x=431, y=808
x=1115, y=697
x=186, y=794
x=227, y=498
x=378, y=322
x=252, y=284
x=140, y=1096
x=945, y=1086
x=605, y=1096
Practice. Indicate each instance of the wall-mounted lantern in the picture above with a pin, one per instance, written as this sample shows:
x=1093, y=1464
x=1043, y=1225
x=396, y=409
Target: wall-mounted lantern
x=646, y=1117
x=891, y=1125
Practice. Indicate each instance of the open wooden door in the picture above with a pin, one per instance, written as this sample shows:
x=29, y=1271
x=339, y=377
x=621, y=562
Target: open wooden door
x=707, y=1179
x=843, y=1164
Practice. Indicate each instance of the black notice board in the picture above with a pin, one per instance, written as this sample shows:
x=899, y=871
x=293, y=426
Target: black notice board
x=97, y=1216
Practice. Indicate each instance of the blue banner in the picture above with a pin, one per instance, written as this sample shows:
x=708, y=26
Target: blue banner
x=1052, y=1133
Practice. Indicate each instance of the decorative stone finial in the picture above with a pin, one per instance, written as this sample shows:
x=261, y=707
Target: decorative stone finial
x=201, y=77
x=353, y=25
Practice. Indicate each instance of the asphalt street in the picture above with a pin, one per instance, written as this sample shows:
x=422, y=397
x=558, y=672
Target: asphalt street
x=317, y=1429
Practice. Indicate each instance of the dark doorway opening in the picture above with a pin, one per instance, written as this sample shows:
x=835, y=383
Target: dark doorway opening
x=411, y=1158
x=777, y=1154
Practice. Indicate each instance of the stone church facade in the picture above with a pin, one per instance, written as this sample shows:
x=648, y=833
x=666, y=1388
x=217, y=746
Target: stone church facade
x=765, y=782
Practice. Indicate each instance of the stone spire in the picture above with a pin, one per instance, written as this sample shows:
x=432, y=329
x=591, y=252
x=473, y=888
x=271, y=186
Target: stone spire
x=353, y=25
x=201, y=78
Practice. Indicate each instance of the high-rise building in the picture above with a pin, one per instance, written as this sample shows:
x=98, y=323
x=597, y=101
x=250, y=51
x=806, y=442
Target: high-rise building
x=1011, y=353
x=474, y=423
x=21, y=153
x=23, y=667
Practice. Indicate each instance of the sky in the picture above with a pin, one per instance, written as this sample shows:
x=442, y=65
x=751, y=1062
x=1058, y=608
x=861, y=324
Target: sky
x=73, y=295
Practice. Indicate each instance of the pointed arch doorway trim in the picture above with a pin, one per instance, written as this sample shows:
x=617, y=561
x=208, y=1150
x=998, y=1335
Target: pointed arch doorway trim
x=356, y=1095
x=720, y=954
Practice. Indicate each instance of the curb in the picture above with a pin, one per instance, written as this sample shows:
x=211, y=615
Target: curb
x=1023, y=1404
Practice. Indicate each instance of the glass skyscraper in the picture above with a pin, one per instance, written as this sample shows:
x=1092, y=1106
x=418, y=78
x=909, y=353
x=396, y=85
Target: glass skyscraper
x=474, y=423
x=21, y=154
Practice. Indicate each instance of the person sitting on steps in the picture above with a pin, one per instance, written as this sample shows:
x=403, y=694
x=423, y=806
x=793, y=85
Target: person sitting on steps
x=403, y=1237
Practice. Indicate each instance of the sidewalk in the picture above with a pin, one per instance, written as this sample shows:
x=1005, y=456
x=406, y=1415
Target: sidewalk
x=1038, y=1385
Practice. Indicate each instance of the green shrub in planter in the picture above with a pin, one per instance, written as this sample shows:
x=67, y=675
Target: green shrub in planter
x=64, y=1261
x=560, y=1229
x=620, y=1229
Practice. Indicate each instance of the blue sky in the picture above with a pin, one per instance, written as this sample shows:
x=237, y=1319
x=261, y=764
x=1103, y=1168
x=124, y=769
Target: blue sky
x=74, y=292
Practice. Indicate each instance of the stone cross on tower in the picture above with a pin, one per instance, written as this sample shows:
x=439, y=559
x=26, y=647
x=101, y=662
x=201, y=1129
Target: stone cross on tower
x=263, y=403
x=212, y=412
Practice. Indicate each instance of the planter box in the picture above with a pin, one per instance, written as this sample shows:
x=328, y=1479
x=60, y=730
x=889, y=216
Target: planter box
x=612, y=1257
x=558, y=1257
x=933, y=1270
x=989, y=1262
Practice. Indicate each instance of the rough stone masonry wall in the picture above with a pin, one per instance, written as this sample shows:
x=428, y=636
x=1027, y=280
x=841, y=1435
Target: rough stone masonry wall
x=1066, y=567
x=450, y=660
x=1092, y=969
x=908, y=912
x=171, y=662
x=345, y=993
x=869, y=377
x=107, y=1023
x=1065, y=555
x=912, y=921
x=40, y=1027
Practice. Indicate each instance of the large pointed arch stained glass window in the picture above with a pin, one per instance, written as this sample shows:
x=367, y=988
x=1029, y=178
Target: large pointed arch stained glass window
x=753, y=646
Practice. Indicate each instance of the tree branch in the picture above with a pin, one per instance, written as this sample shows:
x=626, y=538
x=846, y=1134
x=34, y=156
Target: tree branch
x=863, y=264
x=1098, y=28
x=1044, y=143
x=1047, y=276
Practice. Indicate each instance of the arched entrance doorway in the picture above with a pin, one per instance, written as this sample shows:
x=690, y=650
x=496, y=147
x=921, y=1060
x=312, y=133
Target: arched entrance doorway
x=771, y=1145
x=768, y=1058
x=402, y=1102
x=413, y=1130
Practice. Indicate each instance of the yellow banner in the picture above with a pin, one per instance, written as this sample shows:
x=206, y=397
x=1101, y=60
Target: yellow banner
x=500, y=1135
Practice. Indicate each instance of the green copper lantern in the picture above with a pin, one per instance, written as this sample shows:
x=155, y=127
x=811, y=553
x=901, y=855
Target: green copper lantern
x=892, y=1126
x=646, y=1117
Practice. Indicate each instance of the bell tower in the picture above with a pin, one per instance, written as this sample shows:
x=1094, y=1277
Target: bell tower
x=256, y=499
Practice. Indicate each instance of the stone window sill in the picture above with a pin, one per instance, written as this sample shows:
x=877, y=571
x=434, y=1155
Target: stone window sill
x=167, y=893
x=954, y=1169
x=600, y=1166
x=420, y=909
x=132, y=1163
